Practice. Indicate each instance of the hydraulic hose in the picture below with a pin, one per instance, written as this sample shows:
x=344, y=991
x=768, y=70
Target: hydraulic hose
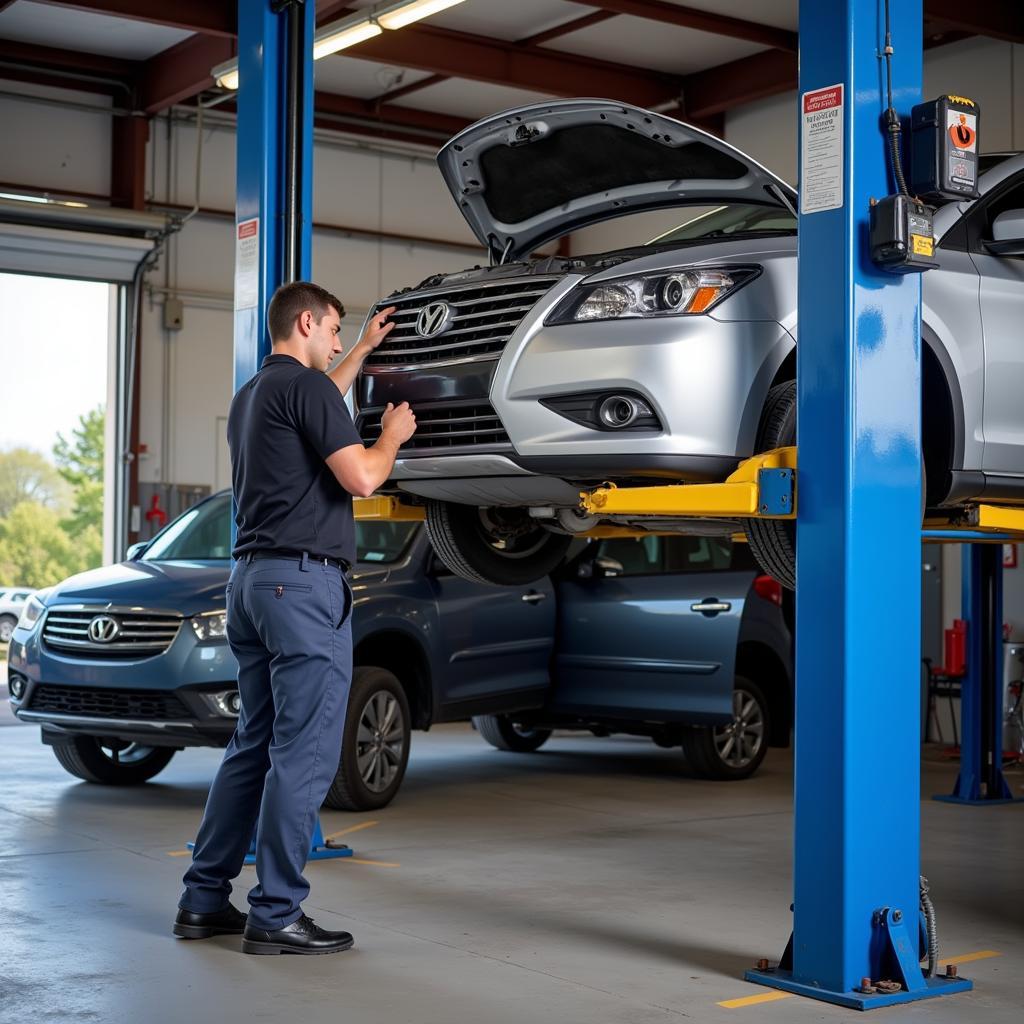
x=928, y=909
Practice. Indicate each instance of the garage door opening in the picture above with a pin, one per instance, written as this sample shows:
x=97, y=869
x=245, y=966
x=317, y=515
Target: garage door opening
x=58, y=401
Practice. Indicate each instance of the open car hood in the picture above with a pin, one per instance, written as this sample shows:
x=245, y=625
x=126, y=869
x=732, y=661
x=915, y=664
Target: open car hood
x=528, y=175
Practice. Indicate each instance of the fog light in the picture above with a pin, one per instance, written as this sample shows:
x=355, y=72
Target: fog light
x=619, y=411
x=16, y=684
x=228, y=703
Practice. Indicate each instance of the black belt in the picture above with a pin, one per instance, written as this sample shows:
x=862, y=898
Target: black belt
x=300, y=556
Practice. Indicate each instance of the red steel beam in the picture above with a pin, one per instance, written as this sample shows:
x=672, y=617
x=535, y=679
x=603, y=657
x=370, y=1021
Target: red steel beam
x=443, y=126
x=211, y=17
x=181, y=72
x=703, y=21
x=128, y=139
x=997, y=19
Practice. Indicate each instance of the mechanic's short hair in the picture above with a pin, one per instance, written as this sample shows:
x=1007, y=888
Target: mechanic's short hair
x=289, y=302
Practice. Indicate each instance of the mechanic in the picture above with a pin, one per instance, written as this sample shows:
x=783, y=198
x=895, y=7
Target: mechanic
x=296, y=462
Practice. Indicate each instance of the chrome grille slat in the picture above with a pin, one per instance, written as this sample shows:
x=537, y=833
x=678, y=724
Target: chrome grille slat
x=139, y=634
x=484, y=315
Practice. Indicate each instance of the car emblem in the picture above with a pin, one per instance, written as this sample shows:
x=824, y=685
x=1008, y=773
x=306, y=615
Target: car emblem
x=433, y=319
x=103, y=629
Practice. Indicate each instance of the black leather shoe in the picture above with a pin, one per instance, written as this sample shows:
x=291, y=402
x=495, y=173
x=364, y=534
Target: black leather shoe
x=190, y=925
x=301, y=936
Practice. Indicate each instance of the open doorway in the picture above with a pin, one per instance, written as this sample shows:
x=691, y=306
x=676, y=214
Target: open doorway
x=57, y=412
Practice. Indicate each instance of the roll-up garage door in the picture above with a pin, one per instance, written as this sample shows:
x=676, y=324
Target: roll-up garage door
x=69, y=240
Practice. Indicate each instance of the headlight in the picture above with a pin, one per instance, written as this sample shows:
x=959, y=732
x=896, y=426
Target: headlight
x=675, y=293
x=30, y=614
x=210, y=625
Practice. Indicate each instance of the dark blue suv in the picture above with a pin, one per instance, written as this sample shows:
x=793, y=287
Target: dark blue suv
x=675, y=638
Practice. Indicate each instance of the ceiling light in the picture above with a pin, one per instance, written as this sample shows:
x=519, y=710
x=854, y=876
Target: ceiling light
x=226, y=74
x=342, y=34
x=406, y=12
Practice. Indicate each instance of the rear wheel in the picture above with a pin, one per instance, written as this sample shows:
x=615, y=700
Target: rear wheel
x=773, y=541
x=735, y=750
x=375, y=746
x=111, y=762
x=503, y=732
x=501, y=546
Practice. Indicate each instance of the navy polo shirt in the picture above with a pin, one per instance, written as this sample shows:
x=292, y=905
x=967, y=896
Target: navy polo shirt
x=281, y=426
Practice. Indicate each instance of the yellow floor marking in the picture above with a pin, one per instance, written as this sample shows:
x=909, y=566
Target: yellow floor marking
x=179, y=853
x=768, y=997
x=378, y=863
x=352, y=828
x=985, y=954
x=771, y=997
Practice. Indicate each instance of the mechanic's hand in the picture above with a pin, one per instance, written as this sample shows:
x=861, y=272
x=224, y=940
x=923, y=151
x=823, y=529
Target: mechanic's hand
x=398, y=422
x=376, y=330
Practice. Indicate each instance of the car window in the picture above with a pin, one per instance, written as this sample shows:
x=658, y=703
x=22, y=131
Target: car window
x=21, y=595
x=972, y=230
x=733, y=219
x=382, y=542
x=651, y=555
x=201, y=533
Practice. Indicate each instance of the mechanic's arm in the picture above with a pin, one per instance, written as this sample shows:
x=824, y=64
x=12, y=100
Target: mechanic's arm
x=348, y=369
x=362, y=470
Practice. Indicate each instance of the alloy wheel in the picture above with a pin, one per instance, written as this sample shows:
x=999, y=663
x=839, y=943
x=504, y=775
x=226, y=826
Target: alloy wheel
x=739, y=742
x=380, y=741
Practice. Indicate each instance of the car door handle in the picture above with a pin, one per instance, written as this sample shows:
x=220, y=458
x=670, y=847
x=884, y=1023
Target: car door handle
x=533, y=597
x=711, y=606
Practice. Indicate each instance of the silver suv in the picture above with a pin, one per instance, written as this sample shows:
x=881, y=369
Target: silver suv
x=535, y=377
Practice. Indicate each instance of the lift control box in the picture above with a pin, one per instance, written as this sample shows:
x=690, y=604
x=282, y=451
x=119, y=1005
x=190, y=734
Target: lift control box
x=944, y=149
x=901, y=234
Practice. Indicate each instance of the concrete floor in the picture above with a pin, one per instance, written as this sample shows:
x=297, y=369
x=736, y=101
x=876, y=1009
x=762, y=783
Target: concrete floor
x=591, y=882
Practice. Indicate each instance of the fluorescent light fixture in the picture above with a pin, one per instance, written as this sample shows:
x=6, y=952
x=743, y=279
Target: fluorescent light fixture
x=406, y=12
x=348, y=31
x=344, y=33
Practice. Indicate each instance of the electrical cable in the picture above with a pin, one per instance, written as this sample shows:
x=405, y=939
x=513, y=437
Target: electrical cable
x=928, y=908
x=891, y=117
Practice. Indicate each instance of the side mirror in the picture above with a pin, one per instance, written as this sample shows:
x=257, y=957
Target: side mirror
x=607, y=567
x=135, y=550
x=1007, y=234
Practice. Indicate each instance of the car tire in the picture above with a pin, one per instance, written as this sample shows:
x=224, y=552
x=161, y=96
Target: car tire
x=92, y=759
x=500, y=546
x=773, y=541
x=7, y=624
x=372, y=763
x=708, y=749
x=502, y=732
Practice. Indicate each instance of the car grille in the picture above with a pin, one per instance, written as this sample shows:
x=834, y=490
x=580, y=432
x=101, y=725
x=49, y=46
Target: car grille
x=450, y=426
x=483, y=319
x=140, y=634
x=139, y=704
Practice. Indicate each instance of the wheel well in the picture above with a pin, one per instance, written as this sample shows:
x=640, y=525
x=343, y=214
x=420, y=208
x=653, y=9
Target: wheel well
x=938, y=427
x=404, y=657
x=938, y=424
x=764, y=667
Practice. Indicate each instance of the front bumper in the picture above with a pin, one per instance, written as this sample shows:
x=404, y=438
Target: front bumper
x=157, y=701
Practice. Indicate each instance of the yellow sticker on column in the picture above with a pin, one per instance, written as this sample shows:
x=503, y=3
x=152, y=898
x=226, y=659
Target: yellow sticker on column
x=922, y=245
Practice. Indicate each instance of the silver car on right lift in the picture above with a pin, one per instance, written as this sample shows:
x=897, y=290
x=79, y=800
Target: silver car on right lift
x=535, y=377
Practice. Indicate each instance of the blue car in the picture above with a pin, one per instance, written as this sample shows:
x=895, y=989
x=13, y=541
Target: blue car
x=675, y=638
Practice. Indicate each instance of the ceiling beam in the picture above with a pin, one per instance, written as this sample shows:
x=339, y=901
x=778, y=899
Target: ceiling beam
x=181, y=72
x=481, y=59
x=78, y=62
x=717, y=89
x=702, y=21
x=211, y=17
x=441, y=126
x=997, y=19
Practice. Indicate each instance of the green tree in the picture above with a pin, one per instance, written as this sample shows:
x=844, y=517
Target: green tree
x=35, y=550
x=26, y=475
x=81, y=464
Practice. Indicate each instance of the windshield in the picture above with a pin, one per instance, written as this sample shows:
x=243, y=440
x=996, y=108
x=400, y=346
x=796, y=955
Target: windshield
x=204, y=533
x=734, y=219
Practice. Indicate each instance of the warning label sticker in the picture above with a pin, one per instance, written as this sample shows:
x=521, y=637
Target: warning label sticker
x=821, y=147
x=247, y=264
x=963, y=130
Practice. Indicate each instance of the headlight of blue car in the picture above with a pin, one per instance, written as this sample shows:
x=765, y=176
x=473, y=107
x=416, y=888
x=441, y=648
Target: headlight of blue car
x=31, y=613
x=210, y=625
x=672, y=293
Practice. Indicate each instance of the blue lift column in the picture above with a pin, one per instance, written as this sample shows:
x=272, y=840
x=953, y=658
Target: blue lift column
x=857, y=788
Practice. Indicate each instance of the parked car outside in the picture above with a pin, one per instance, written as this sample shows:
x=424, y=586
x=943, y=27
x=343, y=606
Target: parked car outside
x=12, y=601
x=675, y=638
x=534, y=378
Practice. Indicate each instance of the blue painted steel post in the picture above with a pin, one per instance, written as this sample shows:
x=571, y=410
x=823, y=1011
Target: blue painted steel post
x=857, y=841
x=262, y=170
x=981, y=779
